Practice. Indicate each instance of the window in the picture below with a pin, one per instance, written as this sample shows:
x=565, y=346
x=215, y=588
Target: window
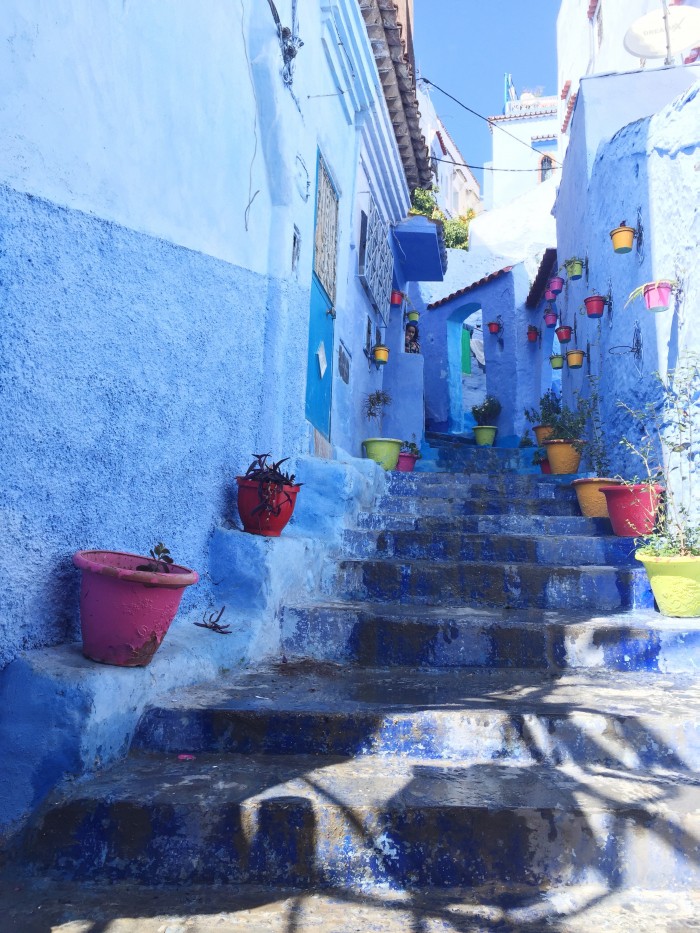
x=546, y=167
x=326, y=245
x=375, y=260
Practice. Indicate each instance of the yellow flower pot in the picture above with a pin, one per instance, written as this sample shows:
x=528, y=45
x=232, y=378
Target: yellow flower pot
x=591, y=500
x=622, y=238
x=380, y=353
x=574, y=358
x=675, y=583
x=542, y=432
x=563, y=456
x=383, y=450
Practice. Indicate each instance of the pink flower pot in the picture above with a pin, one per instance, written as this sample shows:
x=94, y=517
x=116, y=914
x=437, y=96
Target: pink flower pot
x=532, y=334
x=550, y=318
x=406, y=463
x=657, y=297
x=556, y=284
x=632, y=508
x=595, y=305
x=125, y=612
x=549, y=295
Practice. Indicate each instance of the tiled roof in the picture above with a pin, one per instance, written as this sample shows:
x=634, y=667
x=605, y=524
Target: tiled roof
x=463, y=291
x=547, y=268
x=565, y=90
x=535, y=139
x=592, y=6
x=442, y=142
x=569, y=110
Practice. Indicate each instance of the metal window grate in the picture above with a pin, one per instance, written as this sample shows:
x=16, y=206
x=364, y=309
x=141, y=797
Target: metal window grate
x=376, y=262
x=326, y=244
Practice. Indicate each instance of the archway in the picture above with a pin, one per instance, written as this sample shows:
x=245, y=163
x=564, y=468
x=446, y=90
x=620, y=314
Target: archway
x=466, y=364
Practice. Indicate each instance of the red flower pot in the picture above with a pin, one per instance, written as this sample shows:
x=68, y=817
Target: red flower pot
x=563, y=333
x=595, y=305
x=545, y=467
x=550, y=318
x=494, y=327
x=632, y=508
x=532, y=334
x=267, y=511
x=125, y=612
x=556, y=284
x=396, y=297
x=406, y=463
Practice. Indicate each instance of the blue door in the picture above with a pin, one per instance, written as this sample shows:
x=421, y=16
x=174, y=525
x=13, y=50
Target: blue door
x=319, y=367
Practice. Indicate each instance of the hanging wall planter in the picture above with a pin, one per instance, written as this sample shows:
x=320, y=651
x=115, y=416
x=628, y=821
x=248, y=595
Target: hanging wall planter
x=494, y=327
x=556, y=361
x=574, y=269
x=556, y=284
x=574, y=358
x=550, y=318
x=532, y=333
x=623, y=238
x=595, y=305
x=563, y=333
x=396, y=298
x=657, y=296
x=380, y=354
x=549, y=295
x=413, y=316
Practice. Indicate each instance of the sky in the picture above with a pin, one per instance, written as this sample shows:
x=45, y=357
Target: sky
x=466, y=47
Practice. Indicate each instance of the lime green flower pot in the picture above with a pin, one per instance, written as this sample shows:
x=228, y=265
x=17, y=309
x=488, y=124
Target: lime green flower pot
x=675, y=583
x=383, y=450
x=484, y=435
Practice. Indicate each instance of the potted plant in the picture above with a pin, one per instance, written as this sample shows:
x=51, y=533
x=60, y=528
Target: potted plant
x=485, y=415
x=542, y=417
x=549, y=295
x=539, y=458
x=494, y=327
x=657, y=295
x=550, y=317
x=408, y=455
x=563, y=333
x=565, y=443
x=383, y=450
x=397, y=297
x=666, y=442
x=623, y=238
x=591, y=500
x=127, y=603
x=556, y=284
x=533, y=333
x=266, y=496
x=595, y=305
x=574, y=268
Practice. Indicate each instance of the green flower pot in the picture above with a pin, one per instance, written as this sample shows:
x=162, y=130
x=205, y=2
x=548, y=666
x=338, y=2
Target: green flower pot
x=484, y=435
x=675, y=583
x=383, y=450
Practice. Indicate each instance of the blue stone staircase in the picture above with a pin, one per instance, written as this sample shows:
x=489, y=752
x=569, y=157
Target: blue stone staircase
x=482, y=704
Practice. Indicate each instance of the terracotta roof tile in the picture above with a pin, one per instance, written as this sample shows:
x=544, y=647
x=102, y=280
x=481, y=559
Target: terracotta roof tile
x=463, y=291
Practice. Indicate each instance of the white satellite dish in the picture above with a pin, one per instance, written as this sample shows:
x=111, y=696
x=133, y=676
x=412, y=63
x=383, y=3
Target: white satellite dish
x=649, y=37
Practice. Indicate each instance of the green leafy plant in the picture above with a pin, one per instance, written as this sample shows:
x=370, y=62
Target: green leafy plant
x=456, y=229
x=569, y=424
x=160, y=560
x=667, y=443
x=638, y=292
x=549, y=408
x=271, y=483
x=487, y=412
x=410, y=447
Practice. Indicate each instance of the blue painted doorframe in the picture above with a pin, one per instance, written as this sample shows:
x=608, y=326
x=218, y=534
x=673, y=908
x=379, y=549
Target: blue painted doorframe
x=319, y=366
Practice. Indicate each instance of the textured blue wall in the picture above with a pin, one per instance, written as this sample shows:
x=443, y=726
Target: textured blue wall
x=133, y=387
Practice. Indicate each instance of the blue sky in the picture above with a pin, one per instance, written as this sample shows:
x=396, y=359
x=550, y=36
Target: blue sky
x=466, y=46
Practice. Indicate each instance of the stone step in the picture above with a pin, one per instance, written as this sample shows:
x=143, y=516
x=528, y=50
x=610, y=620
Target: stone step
x=582, y=550
x=486, y=524
x=621, y=720
x=477, y=583
x=399, y=823
x=36, y=905
x=530, y=486
x=377, y=634
x=479, y=505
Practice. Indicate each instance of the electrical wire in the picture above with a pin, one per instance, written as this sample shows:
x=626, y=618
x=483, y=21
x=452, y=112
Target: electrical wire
x=491, y=123
x=488, y=168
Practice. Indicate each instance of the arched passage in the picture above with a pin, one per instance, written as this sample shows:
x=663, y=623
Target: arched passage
x=465, y=362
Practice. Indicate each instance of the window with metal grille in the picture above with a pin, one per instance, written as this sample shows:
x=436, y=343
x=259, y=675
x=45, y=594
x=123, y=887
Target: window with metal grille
x=326, y=244
x=546, y=167
x=376, y=262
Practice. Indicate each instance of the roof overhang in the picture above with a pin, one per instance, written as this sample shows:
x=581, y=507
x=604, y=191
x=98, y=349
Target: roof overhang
x=469, y=288
x=422, y=253
x=547, y=268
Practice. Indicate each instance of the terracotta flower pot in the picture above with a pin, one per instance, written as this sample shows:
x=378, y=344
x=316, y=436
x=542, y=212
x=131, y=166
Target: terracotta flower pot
x=563, y=333
x=542, y=432
x=277, y=506
x=595, y=305
x=124, y=612
x=591, y=500
x=632, y=508
x=657, y=296
x=622, y=238
x=563, y=456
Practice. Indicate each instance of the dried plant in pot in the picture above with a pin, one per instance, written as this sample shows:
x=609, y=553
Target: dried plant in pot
x=383, y=450
x=591, y=499
x=565, y=443
x=541, y=418
x=486, y=414
x=266, y=496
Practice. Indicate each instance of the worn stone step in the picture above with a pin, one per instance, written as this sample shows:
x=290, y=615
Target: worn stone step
x=486, y=524
x=626, y=721
x=418, y=545
x=369, y=821
x=453, y=506
x=478, y=583
x=36, y=905
x=377, y=634
x=528, y=485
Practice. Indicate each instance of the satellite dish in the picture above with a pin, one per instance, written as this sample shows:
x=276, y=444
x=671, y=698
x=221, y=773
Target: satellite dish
x=648, y=37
